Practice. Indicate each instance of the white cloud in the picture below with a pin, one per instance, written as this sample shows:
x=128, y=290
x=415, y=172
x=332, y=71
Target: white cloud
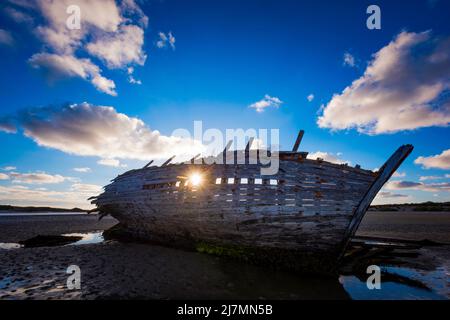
x=131, y=78
x=399, y=174
x=440, y=161
x=69, y=66
x=23, y=187
x=62, y=41
x=172, y=41
x=88, y=130
x=9, y=168
x=98, y=17
x=326, y=156
x=82, y=170
x=402, y=89
x=131, y=8
x=166, y=40
x=4, y=176
x=86, y=188
x=426, y=178
x=105, y=85
x=6, y=38
x=310, y=97
x=104, y=14
x=258, y=144
x=161, y=43
x=387, y=194
x=111, y=31
x=387, y=197
x=121, y=48
x=24, y=196
x=266, y=102
x=349, y=60
x=36, y=178
x=410, y=185
x=111, y=163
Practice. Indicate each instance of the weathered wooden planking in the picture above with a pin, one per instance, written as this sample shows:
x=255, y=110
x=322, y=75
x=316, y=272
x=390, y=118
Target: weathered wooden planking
x=201, y=229
x=332, y=202
x=299, y=180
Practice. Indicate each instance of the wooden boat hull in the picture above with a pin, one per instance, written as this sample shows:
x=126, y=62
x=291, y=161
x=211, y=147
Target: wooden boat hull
x=300, y=217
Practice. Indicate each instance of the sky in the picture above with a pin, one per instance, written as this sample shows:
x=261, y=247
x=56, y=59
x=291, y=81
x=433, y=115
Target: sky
x=81, y=103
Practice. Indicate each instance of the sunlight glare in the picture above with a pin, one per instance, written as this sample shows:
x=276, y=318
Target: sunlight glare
x=195, y=179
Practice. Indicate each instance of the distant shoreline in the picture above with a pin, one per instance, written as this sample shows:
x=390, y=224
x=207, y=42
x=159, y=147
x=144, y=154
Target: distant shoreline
x=31, y=209
x=46, y=213
x=422, y=207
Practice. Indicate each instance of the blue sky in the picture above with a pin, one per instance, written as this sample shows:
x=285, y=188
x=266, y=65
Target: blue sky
x=227, y=55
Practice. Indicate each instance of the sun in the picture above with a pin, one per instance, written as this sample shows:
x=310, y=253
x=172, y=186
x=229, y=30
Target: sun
x=195, y=179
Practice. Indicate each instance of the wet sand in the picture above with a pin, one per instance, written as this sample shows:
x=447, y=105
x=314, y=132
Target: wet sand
x=433, y=226
x=16, y=228
x=131, y=271
x=128, y=270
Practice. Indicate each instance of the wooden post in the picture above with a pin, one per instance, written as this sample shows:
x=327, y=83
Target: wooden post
x=224, y=152
x=299, y=139
x=247, y=148
x=148, y=164
x=249, y=144
x=384, y=174
x=168, y=161
x=195, y=157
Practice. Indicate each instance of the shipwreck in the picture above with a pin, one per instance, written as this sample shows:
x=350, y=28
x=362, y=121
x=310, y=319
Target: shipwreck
x=303, y=217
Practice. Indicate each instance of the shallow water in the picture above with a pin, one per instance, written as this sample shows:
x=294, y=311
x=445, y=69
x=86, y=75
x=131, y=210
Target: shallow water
x=87, y=238
x=9, y=246
x=435, y=283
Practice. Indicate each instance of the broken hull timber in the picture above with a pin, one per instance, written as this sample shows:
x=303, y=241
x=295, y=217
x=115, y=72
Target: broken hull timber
x=301, y=218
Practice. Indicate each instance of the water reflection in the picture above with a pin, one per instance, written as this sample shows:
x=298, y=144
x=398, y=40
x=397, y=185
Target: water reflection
x=86, y=238
x=71, y=239
x=401, y=284
x=246, y=281
x=9, y=246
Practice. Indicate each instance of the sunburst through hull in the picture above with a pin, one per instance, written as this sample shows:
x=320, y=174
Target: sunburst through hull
x=302, y=217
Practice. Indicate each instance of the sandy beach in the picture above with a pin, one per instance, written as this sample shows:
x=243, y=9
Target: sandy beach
x=110, y=269
x=433, y=226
